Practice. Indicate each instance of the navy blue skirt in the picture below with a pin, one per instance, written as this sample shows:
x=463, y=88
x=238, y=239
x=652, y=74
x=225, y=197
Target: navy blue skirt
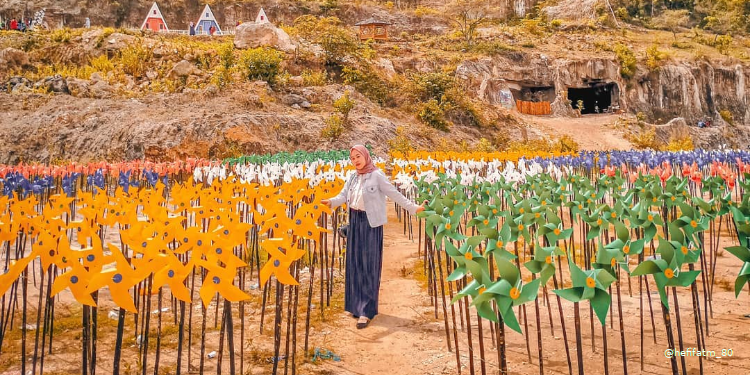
x=364, y=262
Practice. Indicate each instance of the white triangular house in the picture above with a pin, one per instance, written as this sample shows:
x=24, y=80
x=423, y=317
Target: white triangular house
x=262, y=17
x=154, y=20
x=206, y=21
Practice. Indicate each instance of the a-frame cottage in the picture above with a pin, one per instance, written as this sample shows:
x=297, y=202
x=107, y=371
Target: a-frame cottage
x=203, y=26
x=262, y=17
x=154, y=20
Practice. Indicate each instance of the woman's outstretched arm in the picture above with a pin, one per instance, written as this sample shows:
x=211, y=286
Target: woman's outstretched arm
x=339, y=199
x=391, y=192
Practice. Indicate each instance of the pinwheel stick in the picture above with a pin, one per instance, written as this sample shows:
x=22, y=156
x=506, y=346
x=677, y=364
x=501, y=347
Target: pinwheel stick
x=679, y=328
x=670, y=337
x=501, y=355
x=700, y=341
x=442, y=293
x=579, y=346
x=622, y=328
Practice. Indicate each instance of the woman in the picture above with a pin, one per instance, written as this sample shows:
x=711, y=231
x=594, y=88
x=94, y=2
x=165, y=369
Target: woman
x=364, y=192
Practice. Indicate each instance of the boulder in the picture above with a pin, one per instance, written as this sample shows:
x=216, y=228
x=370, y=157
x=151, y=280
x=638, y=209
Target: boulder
x=183, y=69
x=13, y=58
x=254, y=35
x=295, y=101
x=101, y=90
x=55, y=83
x=78, y=87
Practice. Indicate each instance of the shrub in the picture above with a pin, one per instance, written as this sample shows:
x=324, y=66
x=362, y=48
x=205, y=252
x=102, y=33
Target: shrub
x=566, y=143
x=400, y=143
x=654, y=57
x=367, y=82
x=226, y=55
x=726, y=115
x=723, y=42
x=680, y=144
x=334, y=127
x=262, y=64
x=431, y=85
x=491, y=48
x=645, y=139
x=484, y=145
x=431, y=114
x=312, y=78
x=337, y=42
x=344, y=105
x=135, y=59
x=61, y=35
x=627, y=60
x=102, y=64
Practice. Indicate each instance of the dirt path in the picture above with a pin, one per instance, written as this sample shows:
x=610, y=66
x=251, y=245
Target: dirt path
x=590, y=131
x=405, y=338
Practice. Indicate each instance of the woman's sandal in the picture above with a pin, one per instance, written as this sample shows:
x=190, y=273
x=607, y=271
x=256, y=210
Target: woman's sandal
x=362, y=322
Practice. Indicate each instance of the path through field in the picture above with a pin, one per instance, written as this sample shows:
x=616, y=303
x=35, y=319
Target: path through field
x=592, y=132
x=405, y=338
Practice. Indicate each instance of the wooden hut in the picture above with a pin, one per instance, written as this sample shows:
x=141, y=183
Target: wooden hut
x=373, y=28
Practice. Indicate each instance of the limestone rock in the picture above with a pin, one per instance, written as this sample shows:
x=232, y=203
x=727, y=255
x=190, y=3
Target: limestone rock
x=78, y=87
x=254, y=35
x=55, y=83
x=183, y=69
x=101, y=90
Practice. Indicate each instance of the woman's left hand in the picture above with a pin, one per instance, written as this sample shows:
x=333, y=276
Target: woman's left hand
x=421, y=208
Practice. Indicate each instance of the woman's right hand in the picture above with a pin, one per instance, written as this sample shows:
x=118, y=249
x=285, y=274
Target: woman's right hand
x=326, y=202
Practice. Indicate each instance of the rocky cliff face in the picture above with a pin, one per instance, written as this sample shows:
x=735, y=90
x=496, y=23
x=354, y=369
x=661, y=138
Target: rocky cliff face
x=691, y=90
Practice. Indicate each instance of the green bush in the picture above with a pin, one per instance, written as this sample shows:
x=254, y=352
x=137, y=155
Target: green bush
x=431, y=114
x=135, y=59
x=311, y=78
x=726, y=115
x=627, y=60
x=723, y=42
x=334, y=127
x=428, y=86
x=367, y=82
x=654, y=58
x=344, y=105
x=336, y=40
x=262, y=64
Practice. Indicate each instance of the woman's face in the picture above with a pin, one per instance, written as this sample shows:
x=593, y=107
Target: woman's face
x=357, y=159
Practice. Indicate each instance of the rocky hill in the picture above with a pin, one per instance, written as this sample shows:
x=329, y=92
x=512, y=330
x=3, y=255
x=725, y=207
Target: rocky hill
x=107, y=93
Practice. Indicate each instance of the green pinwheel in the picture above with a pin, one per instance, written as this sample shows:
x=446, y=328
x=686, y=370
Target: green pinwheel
x=743, y=253
x=543, y=261
x=497, y=240
x=508, y=291
x=589, y=285
x=607, y=258
x=624, y=244
x=666, y=271
x=467, y=259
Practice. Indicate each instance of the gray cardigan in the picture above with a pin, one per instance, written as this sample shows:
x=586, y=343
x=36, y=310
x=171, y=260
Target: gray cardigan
x=376, y=188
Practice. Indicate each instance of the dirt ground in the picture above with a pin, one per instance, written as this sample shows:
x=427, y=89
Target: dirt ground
x=406, y=338
x=592, y=132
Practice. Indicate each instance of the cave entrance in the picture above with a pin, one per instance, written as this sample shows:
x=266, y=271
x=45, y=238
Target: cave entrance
x=597, y=98
x=534, y=93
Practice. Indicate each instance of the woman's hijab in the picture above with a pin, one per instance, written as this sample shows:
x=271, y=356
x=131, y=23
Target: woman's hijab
x=369, y=166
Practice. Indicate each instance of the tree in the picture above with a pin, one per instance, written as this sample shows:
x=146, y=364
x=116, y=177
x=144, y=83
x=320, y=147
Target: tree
x=672, y=20
x=468, y=15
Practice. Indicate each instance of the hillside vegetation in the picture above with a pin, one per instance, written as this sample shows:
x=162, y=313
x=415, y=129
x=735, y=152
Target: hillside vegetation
x=337, y=81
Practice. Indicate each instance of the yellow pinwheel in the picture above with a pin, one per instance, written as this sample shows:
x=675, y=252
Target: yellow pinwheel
x=14, y=271
x=220, y=279
x=282, y=253
x=119, y=279
x=173, y=274
x=76, y=279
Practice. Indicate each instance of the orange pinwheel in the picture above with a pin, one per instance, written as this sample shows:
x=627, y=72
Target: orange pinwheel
x=220, y=279
x=14, y=271
x=118, y=279
x=58, y=204
x=282, y=253
x=173, y=274
x=76, y=279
